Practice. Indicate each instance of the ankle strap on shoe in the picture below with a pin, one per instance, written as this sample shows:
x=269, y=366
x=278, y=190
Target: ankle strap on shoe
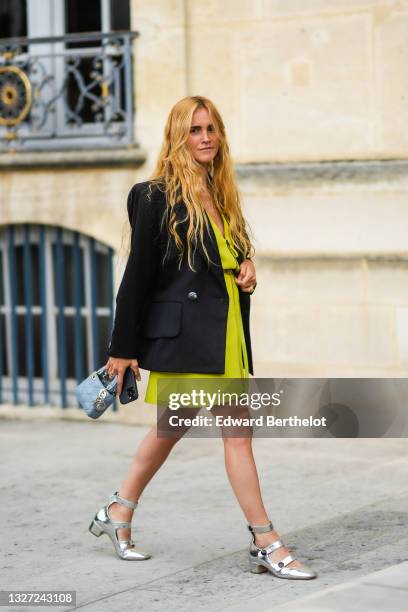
x=121, y=500
x=260, y=528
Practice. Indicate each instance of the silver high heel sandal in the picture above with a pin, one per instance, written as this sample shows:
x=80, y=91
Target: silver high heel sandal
x=102, y=523
x=259, y=560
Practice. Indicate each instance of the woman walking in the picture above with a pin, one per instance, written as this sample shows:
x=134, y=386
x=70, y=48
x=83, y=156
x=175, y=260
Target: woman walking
x=182, y=311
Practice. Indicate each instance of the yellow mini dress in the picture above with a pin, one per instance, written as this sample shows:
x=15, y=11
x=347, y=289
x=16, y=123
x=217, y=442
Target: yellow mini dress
x=236, y=358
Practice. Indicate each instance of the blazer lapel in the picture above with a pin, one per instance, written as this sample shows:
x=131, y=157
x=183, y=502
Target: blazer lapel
x=210, y=242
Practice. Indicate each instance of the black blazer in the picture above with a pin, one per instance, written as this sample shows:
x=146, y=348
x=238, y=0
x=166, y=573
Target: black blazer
x=171, y=319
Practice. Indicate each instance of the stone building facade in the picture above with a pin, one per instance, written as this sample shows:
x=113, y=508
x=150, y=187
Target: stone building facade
x=314, y=98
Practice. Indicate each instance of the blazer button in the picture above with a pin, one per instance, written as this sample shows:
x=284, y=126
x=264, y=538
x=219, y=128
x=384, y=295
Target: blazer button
x=192, y=295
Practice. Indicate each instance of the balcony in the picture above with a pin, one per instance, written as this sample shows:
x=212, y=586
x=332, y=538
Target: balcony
x=67, y=92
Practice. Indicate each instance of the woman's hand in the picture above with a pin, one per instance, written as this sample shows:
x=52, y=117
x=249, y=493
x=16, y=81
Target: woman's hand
x=118, y=366
x=246, y=278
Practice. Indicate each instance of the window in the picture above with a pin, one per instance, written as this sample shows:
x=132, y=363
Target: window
x=56, y=312
x=96, y=15
x=75, y=86
x=13, y=18
x=23, y=17
x=83, y=17
x=92, y=16
x=120, y=15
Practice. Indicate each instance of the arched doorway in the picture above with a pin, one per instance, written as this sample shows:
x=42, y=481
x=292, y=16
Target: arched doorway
x=56, y=312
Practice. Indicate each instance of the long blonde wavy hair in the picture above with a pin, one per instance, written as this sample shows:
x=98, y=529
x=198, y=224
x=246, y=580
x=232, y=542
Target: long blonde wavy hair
x=178, y=174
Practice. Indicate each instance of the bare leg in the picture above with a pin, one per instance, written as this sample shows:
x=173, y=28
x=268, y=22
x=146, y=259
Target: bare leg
x=243, y=476
x=150, y=455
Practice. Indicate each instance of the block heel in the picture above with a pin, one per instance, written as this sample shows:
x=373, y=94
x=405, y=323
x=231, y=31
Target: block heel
x=255, y=568
x=95, y=529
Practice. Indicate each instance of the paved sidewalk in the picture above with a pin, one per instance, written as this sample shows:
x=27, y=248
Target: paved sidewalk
x=340, y=505
x=385, y=590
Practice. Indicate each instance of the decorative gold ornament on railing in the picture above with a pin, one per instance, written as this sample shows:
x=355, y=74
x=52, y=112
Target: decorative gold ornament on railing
x=105, y=89
x=15, y=95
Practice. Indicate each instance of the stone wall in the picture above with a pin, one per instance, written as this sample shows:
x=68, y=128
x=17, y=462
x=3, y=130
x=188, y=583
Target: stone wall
x=294, y=79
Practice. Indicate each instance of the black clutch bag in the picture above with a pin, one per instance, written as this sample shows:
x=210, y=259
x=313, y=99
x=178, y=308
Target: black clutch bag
x=129, y=388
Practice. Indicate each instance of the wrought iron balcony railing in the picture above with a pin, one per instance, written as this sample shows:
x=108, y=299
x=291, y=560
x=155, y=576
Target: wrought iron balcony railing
x=72, y=91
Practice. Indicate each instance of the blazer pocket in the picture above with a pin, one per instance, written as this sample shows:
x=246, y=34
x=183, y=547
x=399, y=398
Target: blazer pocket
x=163, y=320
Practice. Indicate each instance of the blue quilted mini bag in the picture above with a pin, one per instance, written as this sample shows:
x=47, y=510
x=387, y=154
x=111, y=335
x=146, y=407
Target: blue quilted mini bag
x=96, y=393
